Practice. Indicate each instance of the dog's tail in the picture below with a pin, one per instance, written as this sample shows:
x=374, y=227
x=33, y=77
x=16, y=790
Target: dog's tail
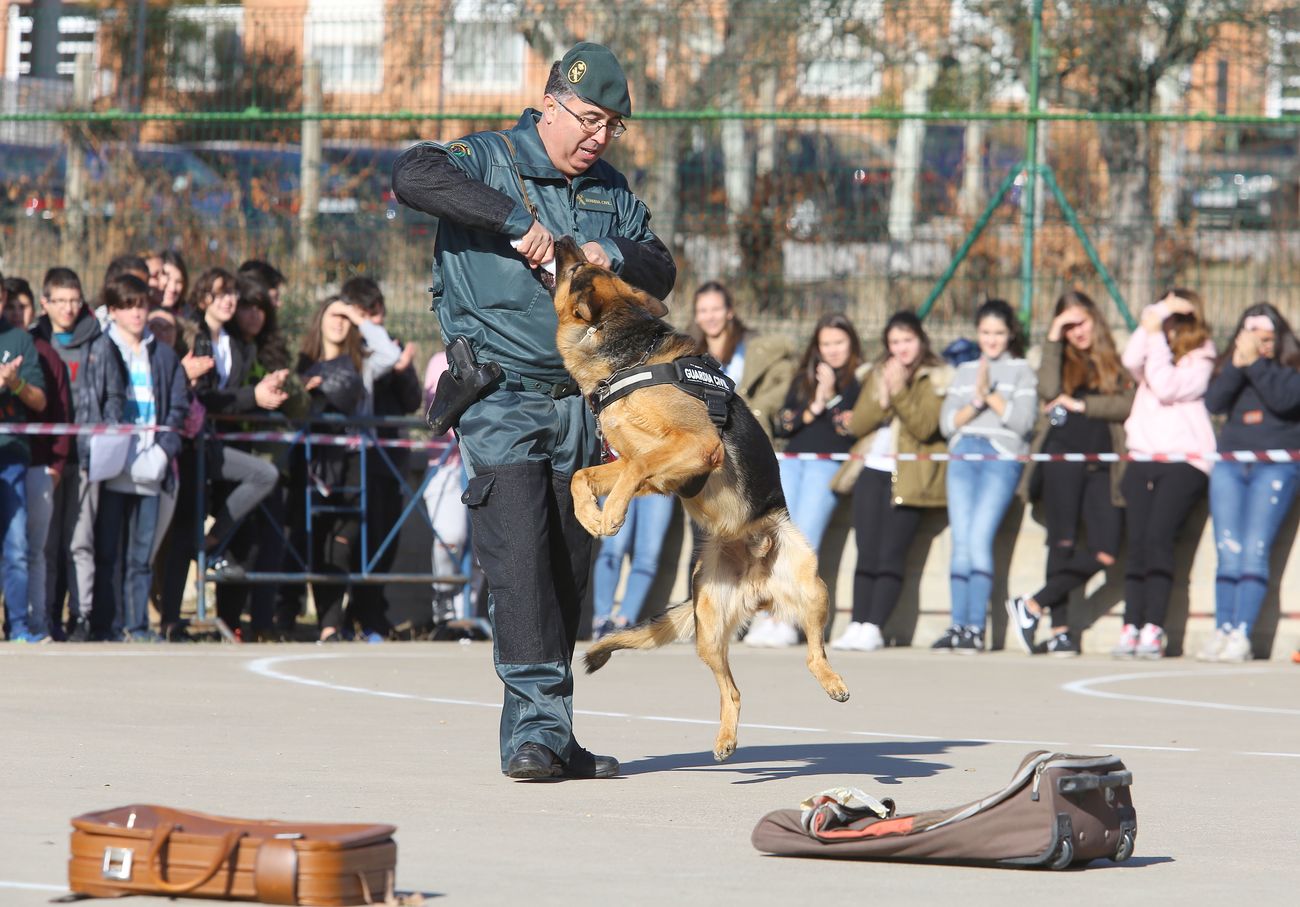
x=678, y=622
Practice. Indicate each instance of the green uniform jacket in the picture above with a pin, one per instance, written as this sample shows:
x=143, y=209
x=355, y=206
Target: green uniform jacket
x=483, y=289
x=914, y=419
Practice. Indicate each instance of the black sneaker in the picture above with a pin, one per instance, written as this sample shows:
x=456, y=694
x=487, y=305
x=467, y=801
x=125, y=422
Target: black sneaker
x=970, y=642
x=227, y=568
x=80, y=631
x=1022, y=622
x=1062, y=645
x=948, y=641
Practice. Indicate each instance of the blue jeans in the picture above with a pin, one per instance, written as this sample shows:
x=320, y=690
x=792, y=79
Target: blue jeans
x=978, y=495
x=13, y=519
x=808, y=495
x=643, y=531
x=123, y=541
x=1248, y=502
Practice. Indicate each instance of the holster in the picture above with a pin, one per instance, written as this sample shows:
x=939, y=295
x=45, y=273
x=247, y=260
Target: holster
x=464, y=382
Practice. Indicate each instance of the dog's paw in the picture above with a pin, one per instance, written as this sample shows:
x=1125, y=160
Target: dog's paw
x=589, y=516
x=839, y=693
x=609, y=527
x=724, y=750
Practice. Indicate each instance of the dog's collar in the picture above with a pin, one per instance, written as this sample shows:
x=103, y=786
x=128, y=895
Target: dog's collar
x=700, y=376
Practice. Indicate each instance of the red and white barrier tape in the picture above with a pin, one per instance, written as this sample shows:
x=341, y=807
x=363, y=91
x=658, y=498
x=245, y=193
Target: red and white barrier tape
x=330, y=440
x=1227, y=456
x=356, y=440
x=72, y=428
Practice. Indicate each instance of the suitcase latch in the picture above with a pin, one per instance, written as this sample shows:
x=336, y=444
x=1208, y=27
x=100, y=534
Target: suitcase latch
x=117, y=863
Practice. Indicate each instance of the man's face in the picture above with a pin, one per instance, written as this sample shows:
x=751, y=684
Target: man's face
x=63, y=306
x=571, y=142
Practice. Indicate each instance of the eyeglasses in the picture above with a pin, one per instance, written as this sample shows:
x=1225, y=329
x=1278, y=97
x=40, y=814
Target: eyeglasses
x=592, y=124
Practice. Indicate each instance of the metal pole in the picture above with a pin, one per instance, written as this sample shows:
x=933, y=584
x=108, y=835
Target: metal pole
x=973, y=235
x=200, y=517
x=1073, y=219
x=309, y=164
x=74, y=193
x=141, y=27
x=1031, y=174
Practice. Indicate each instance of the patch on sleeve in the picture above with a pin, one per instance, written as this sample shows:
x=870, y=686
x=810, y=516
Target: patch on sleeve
x=459, y=148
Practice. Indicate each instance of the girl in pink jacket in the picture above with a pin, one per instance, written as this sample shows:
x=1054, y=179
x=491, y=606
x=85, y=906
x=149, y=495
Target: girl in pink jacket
x=1172, y=358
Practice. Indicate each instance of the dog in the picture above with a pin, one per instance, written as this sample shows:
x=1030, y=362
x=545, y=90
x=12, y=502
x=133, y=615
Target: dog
x=753, y=558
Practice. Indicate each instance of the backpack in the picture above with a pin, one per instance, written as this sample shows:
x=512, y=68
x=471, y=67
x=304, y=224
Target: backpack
x=1057, y=811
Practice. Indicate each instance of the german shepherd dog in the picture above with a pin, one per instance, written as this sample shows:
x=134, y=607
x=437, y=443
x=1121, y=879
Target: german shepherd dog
x=753, y=558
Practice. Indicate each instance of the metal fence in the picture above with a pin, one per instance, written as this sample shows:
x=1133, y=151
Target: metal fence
x=855, y=155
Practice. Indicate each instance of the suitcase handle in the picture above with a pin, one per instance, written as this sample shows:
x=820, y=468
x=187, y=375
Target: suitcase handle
x=1077, y=784
x=229, y=841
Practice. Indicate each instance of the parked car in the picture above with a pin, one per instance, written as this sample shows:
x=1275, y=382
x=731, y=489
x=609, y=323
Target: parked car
x=1241, y=199
x=166, y=180
x=832, y=186
x=356, y=199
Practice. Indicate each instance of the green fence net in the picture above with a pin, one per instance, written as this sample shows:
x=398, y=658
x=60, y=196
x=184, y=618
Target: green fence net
x=817, y=155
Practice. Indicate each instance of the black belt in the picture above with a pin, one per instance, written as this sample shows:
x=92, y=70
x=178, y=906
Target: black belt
x=513, y=381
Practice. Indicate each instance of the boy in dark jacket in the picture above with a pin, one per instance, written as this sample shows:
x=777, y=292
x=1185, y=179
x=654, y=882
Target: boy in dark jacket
x=95, y=376
x=128, y=506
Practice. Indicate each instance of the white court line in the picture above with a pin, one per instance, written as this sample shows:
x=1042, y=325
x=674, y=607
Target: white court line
x=1085, y=688
x=265, y=668
x=32, y=886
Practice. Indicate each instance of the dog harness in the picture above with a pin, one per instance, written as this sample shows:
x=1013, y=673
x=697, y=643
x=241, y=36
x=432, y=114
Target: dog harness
x=700, y=376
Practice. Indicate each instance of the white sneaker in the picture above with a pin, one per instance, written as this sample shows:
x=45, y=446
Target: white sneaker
x=850, y=638
x=782, y=635
x=1127, y=645
x=1213, y=648
x=759, y=632
x=871, y=638
x=1237, y=647
x=1151, y=642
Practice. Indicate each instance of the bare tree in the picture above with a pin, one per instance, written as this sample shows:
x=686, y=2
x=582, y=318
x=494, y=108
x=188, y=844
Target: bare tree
x=1109, y=56
x=740, y=55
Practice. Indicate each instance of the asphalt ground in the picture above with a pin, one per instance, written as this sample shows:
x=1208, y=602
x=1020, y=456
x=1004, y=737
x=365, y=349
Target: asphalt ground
x=406, y=734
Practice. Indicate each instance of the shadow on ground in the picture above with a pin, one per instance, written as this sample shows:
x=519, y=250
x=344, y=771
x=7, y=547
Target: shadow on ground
x=880, y=763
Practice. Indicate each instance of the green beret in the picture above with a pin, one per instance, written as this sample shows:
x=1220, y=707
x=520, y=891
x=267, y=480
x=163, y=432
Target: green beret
x=592, y=72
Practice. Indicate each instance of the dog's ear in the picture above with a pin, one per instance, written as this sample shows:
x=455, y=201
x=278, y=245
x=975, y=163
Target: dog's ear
x=587, y=309
x=654, y=306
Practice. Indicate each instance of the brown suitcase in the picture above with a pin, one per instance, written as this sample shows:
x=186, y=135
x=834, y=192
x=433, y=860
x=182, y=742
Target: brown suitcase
x=1057, y=811
x=143, y=849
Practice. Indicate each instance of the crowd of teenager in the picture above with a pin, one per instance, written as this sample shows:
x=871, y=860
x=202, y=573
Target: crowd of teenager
x=1156, y=396
x=99, y=526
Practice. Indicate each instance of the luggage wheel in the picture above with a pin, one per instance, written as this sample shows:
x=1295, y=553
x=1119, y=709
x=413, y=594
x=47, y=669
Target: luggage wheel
x=1064, y=855
x=1126, y=845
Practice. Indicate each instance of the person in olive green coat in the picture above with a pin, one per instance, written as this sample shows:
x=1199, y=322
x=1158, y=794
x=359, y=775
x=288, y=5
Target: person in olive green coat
x=897, y=412
x=761, y=365
x=502, y=198
x=1086, y=395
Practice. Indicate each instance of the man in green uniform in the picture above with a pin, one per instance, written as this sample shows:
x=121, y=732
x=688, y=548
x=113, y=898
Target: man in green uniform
x=502, y=199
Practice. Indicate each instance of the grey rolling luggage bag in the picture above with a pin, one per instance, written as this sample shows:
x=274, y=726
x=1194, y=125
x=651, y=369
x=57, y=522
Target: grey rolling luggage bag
x=1057, y=811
